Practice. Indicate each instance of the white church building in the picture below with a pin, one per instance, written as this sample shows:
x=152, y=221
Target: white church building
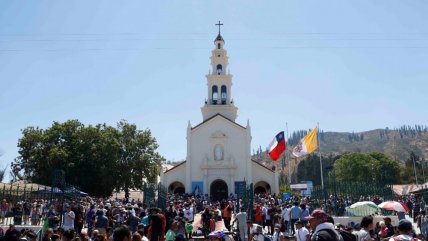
x=218, y=156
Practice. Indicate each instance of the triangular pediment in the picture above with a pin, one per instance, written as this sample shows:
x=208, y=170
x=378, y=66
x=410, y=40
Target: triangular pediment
x=215, y=117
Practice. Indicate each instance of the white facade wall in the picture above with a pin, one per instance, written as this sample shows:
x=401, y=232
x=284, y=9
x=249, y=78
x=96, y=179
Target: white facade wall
x=236, y=153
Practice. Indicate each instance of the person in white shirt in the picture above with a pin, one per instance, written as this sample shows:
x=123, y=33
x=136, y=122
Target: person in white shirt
x=286, y=217
x=69, y=217
x=266, y=217
x=241, y=218
x=302, y=233
x=405, y=228
x=277, y=234
x=188, y=212
x=258, y=235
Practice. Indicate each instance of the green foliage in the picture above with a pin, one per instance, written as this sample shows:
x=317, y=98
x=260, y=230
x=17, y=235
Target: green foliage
x=139, y=160
x=367, y=167
x=2, y=174
x=283, y=188
x=95, y=158
x=309, y=168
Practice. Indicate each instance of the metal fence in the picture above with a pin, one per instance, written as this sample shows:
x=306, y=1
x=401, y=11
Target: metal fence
x=352, y=190
x=155, y=195
x=334, y=194
x=248, y=201
x=26, y=204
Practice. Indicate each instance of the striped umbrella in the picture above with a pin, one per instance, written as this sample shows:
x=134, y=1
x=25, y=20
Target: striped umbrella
x=363, y=208
x=394, y=206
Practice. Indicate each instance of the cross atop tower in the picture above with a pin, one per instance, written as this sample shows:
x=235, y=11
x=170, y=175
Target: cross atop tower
x=219, y=25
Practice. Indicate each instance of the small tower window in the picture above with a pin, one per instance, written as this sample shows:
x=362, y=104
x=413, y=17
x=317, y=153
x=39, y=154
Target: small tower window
x=214, y=94
x=219, y=46
x=219, y=69
x=223, y=94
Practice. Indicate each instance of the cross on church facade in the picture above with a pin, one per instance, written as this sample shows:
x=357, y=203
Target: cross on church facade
x=219, y=25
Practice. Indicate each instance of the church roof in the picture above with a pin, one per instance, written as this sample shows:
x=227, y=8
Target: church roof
x=175, y=166
x=219, y=38
x=214, y=116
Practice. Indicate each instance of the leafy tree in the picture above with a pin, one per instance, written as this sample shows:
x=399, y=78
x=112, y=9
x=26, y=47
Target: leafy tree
x=139, y=161
x=309, y=168
x=90, y=156
x=367, y=167
x=2, y=172
x=283, y=188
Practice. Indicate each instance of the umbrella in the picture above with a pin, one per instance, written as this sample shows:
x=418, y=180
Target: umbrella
x=394, y=206
x=363, y=208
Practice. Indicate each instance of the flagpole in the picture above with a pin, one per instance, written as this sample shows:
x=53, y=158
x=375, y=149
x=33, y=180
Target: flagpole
x=289, y=177
x=319, y=153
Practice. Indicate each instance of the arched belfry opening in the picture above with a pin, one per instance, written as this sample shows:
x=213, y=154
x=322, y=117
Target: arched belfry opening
x=223, y=94
x=218, y=190
x=219, y=69
x=219, y=46
x=214, y=96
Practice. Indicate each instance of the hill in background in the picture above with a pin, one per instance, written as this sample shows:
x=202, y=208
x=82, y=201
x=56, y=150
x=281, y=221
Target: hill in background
x=397, y=143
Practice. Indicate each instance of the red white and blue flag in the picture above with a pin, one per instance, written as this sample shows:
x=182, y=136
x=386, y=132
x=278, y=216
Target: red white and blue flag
x=277, y=146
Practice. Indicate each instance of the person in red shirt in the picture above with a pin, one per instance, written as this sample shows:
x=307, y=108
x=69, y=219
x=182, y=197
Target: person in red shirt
x=227, y=215
x=258, y=215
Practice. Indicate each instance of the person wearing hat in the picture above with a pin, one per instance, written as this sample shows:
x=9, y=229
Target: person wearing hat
x=302, y=233
x=405, y=229
x=258, y=235
x=322, y=230
x=277, y=234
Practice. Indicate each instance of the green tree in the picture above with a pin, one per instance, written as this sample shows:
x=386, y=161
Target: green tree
x=367, y=167
x=139, y=162
x=2, y=172
x=90, y=156
x=309, y=168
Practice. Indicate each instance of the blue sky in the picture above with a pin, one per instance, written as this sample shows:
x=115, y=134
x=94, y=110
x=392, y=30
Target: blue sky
x=349, y=65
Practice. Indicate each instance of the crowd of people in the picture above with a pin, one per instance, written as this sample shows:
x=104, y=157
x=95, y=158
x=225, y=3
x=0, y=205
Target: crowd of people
x=189, y=216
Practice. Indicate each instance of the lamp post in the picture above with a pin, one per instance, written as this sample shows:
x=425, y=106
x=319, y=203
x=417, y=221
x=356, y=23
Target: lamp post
x=331, y=168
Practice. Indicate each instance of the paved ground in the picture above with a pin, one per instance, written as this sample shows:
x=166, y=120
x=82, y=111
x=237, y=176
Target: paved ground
x=417, y=230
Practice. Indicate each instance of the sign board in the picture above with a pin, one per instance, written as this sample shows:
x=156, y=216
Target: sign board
x=286, y=195
x=240, y=188
x=299, y=186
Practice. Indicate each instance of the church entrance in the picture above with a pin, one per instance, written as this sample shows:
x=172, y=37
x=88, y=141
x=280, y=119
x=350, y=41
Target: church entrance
x=177, y=188
x=218, y=190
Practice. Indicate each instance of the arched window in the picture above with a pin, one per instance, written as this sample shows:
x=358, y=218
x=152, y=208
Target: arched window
x=219, y=69
x=214, y=94
x=223, y=94
x=219, y=46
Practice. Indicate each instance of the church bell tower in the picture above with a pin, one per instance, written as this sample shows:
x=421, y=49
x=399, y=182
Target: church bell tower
x=219, y=83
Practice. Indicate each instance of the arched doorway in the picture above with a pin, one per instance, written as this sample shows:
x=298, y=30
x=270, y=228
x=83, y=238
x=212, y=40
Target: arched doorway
x=177, y=188
x=262, y=187
x=218, y=190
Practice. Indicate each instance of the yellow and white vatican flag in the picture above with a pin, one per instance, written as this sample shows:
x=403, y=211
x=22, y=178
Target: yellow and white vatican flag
x=307, y=144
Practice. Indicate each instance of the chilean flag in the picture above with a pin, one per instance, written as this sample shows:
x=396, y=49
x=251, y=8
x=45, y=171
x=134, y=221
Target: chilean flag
x=277, y=146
